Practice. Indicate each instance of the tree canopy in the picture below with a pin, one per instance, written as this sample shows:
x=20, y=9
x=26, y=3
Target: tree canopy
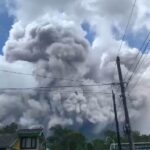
x=67, y=139
x=62, y=138
x=11, y=128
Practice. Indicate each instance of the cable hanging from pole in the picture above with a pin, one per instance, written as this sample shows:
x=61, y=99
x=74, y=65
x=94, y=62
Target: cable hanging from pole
x=137, y=55
x=127, y=119
x=125, y=31
x=137, y=64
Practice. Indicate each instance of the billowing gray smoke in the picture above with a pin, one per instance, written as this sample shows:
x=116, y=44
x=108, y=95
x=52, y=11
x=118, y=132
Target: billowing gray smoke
x=62, y=58
x=63, y=63
x=47, y=40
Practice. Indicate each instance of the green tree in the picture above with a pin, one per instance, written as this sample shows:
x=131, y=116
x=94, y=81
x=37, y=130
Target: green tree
x=11, y=128
x=99, y=144
x=89, y=146
x=65, y=139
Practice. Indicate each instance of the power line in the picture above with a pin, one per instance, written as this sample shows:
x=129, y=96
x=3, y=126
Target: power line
x=59, y=86
x=138, y=63
x=138, y=80
x=142, y=46
x=126, y=28
x=49, y=91
x=42, y=76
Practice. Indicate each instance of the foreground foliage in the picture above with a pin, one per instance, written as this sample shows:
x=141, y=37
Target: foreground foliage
x=66, y=139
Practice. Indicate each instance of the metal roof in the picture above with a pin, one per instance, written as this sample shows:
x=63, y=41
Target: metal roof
x=6, y=140
x=30, y=132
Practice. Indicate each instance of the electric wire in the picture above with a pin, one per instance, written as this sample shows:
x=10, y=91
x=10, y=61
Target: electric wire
x=42, y=76
x=38, y=75
x=59, y=86
x=136, y=65
x=54, y=91
x=138, y=79
x=126, y=28
x=125, y=31
x=136, y=57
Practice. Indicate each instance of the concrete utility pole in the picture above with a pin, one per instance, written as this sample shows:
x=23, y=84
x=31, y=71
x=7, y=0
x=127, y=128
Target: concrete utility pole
x=116, y=120
x=127, y=120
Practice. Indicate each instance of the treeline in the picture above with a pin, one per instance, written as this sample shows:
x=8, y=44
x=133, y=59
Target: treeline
x=11, y=128
x=66, y=139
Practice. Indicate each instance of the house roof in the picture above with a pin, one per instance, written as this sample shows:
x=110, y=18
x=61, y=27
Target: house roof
x=30, y=132
x=6, y=140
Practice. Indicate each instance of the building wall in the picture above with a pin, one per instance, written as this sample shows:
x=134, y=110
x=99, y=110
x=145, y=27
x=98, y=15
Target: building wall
x=16, y=145
x=40, y=145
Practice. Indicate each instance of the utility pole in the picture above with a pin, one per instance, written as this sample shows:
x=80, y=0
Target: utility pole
x=116, y=120
x=127, y=120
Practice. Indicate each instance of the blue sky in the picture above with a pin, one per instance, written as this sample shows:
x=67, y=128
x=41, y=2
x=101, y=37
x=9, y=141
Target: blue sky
x=134, y=39
x=137, y=39
x=90, y=34
x=5, y=25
